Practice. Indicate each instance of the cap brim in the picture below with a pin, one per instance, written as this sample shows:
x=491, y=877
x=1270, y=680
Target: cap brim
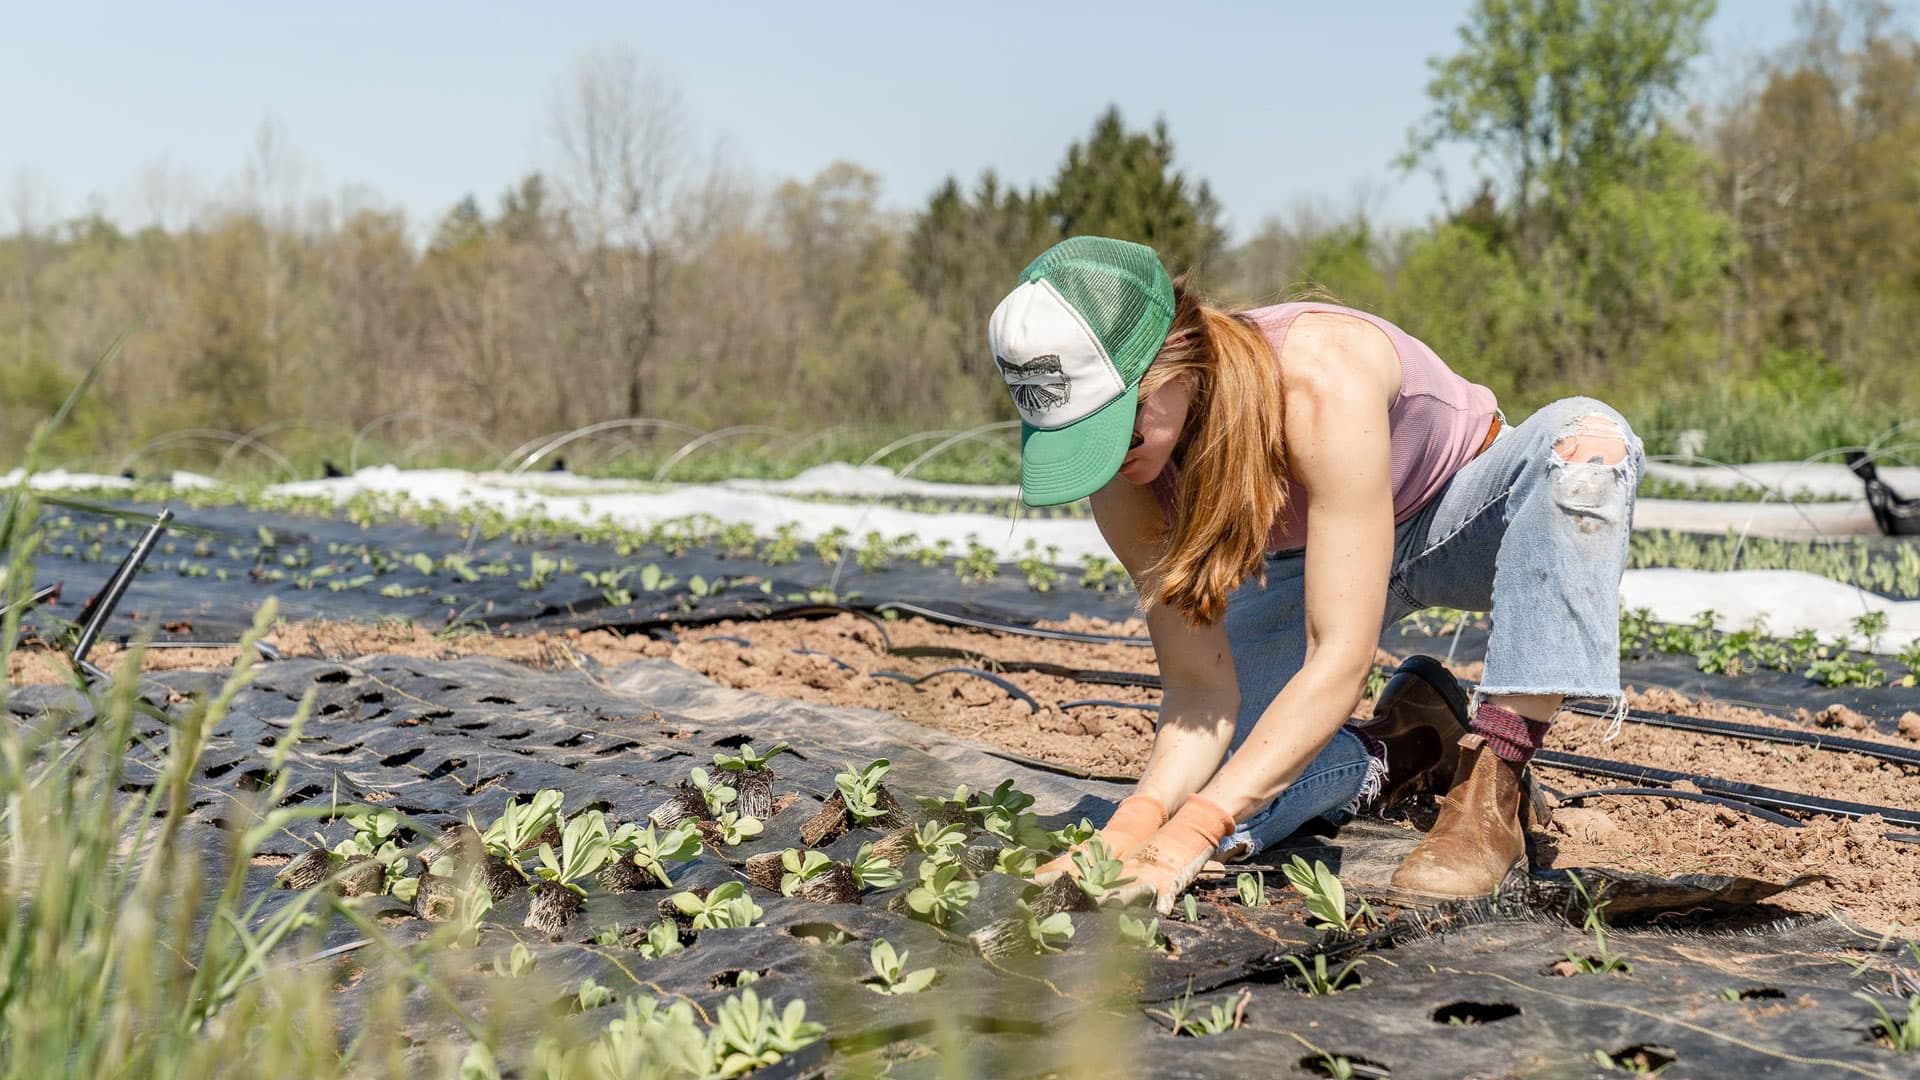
x=1075, y=461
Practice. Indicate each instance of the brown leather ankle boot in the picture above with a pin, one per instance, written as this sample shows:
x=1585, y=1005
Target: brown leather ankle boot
x=1420, y=718
x=1478, y=839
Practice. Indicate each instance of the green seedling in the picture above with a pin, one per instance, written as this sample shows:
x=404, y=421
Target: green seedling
x=663, y=939
x=726, y=906
x=934, y=804
x=718, y=794
x=1040, y=571
x=540, y=570
x=1872, y=626
x=890, y=974
x=1100, y=573
x=801, y=867
x=736, y=828
x=1318, y=981
x=1324, y=895
x=611, y=584
x=783, y=548
x=936, y=838
x=1603, y=961
x=520, y=824
x=585, y=846
x=874, y=553
x=591, y=996
x=860, y=789
x=519, y=962
x=1068, y=836
x=1016, y=861
x=978, y=564
x=1638, y=1064
x=1143, y=933
x=1186, y=1018
x=1337, y=1066
x=830, y=545
x=943, y=893
x=1005, y=812
x=1190, y=907
x=747, y=760
x=1100, y=875
x=1252, y=889
x=1896, y=1033
x=1043, y=935
x=651, y=851
x=748, y=1034
x=654, y=579
x=737, y=541
x=872, y=871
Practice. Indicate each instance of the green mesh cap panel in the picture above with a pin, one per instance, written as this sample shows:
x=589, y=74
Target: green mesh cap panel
x=1119, y=288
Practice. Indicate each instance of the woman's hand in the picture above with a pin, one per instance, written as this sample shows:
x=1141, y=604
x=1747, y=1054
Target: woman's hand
x=1134, y=821
x=1163, y=868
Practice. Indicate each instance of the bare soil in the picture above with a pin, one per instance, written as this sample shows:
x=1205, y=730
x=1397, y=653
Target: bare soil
x=1876, y=880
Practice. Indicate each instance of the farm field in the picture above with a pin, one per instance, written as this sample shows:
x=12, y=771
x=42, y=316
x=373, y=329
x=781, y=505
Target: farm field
x=649, y=881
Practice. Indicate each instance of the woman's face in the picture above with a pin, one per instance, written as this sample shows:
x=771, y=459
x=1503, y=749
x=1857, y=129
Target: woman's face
x=1156, y=428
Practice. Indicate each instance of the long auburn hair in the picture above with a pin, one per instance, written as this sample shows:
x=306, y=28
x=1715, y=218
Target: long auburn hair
x=1233, y=469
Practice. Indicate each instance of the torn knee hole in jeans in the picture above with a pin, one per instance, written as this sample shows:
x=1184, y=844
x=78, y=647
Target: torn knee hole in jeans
x=1589, y=475
x=1592, y=440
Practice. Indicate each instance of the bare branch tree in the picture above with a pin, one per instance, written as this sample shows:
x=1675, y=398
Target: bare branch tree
x=631, y=178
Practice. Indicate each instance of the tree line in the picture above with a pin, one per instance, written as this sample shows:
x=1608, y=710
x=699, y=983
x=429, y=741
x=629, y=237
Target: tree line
x=1742, y=266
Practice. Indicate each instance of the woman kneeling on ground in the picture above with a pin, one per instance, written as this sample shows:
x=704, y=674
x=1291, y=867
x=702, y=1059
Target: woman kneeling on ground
x=1281, y=483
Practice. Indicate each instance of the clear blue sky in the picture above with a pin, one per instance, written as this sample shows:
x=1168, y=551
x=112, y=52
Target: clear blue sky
x=420, y=103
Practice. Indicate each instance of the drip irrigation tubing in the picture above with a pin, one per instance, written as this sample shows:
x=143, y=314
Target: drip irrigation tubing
x=951, y=619
x=1769, y=798
x=1107, y=703
x=1643, y=779
x=1013, y=691
x=843, y=665
x=1727, y=802
x=1899, y=755
x=1034, y=667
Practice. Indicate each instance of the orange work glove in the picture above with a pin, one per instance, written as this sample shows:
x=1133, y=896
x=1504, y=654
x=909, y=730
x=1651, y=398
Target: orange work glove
x=1134, y=820
x=1163, y=867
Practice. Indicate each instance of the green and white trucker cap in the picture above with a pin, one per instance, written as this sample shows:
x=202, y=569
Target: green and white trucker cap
x=1072, y=340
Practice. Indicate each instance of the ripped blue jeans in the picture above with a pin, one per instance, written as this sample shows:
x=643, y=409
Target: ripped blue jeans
x=1537, y=540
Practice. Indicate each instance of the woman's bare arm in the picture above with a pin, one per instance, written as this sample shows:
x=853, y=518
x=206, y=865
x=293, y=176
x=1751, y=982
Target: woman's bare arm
x=1200, y=694
x=1339, y=450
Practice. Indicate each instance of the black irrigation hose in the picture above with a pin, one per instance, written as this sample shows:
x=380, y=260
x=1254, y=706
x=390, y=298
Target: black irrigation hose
x=934, y=615
x=1034, y=667
x=1043, y=765
x=1762, y=802
x=1014, y=691
x=810, y=611
x=1690, y=796
x=816, y=652
x=1109, y=703
x=1770, y=798
x=1899, y=755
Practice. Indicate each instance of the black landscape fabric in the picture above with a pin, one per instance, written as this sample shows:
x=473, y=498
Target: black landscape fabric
x=1719, y=983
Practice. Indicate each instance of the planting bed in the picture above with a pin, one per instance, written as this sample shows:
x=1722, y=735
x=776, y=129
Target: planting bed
x=1742, y=939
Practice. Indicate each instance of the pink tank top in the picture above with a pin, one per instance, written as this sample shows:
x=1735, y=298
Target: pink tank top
x=1438, y=424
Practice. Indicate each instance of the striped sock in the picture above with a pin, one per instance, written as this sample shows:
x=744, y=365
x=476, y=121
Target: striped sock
x=1509, y=735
